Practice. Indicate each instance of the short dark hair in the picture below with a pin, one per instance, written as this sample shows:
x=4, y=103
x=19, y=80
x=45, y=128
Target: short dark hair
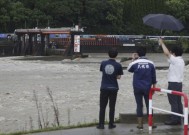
x=113, y=53
x=141, y=51
x=177, y=51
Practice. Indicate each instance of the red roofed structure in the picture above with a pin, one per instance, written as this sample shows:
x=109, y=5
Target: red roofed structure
x=28, y=44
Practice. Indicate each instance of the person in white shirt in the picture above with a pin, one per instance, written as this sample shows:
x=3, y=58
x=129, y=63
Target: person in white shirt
x=175, y=79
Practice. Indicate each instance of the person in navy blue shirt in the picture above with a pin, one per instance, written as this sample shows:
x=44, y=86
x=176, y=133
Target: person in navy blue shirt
x=111, y=71
x=144, y=78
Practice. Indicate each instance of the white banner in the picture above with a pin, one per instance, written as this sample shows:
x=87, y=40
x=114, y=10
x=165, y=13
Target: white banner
x=128, y=44
x=77, y=43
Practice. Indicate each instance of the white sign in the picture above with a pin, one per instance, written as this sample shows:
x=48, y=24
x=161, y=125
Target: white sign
x=128, y=44
x=77, y=43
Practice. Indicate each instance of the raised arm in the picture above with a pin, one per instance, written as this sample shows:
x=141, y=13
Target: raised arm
x=165, y=50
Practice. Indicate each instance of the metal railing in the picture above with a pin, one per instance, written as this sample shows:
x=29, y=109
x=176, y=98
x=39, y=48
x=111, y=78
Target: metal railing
x=185, y=114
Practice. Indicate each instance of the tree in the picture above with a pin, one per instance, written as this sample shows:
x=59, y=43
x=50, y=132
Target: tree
x=180, y=9
x=4, y=15
x=94, y=16
x=99, y=16
x=19, y=15
x=135, y=10
x=115, y=15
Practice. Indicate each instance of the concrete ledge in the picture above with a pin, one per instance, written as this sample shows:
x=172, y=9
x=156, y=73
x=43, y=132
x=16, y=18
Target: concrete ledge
x=132, y=118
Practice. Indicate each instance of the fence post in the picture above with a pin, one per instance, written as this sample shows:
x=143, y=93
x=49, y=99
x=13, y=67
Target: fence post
x=150, y=117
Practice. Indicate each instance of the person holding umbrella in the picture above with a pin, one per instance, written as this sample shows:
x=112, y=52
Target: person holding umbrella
x=175, y=79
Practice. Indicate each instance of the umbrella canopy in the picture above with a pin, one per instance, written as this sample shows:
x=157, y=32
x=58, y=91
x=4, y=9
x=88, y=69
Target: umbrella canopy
x=163, y=22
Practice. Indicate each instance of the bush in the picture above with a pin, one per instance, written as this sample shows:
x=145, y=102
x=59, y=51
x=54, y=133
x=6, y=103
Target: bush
x=185, y=44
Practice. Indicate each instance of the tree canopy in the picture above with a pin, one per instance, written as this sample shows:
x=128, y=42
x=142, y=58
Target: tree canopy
x=98, y=16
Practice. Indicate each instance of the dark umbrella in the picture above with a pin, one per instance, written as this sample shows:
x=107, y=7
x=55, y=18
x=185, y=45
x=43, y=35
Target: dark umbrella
x=163, y=22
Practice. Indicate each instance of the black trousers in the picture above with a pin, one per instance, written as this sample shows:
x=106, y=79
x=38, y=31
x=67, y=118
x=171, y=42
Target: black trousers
x=175, y=101
x=105, y=96
x=139, y=95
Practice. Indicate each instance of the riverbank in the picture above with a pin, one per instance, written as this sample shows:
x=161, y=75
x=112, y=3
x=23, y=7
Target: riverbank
x=75, y=89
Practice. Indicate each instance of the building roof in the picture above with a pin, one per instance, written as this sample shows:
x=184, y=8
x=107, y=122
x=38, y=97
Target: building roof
x=66, y=30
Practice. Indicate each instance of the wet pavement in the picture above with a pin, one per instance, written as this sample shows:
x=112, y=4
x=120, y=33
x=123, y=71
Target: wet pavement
x=121, y=129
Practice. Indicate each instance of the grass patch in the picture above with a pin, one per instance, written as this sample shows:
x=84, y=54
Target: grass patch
x=57, y=128
x=51, y=129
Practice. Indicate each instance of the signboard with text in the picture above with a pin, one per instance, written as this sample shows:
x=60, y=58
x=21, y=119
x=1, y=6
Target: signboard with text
x=77, y=43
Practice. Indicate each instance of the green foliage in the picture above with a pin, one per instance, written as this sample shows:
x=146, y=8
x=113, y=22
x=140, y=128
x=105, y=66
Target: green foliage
x=99, y=16
x=179, y=9
x=185, y=44
x=115, y=15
